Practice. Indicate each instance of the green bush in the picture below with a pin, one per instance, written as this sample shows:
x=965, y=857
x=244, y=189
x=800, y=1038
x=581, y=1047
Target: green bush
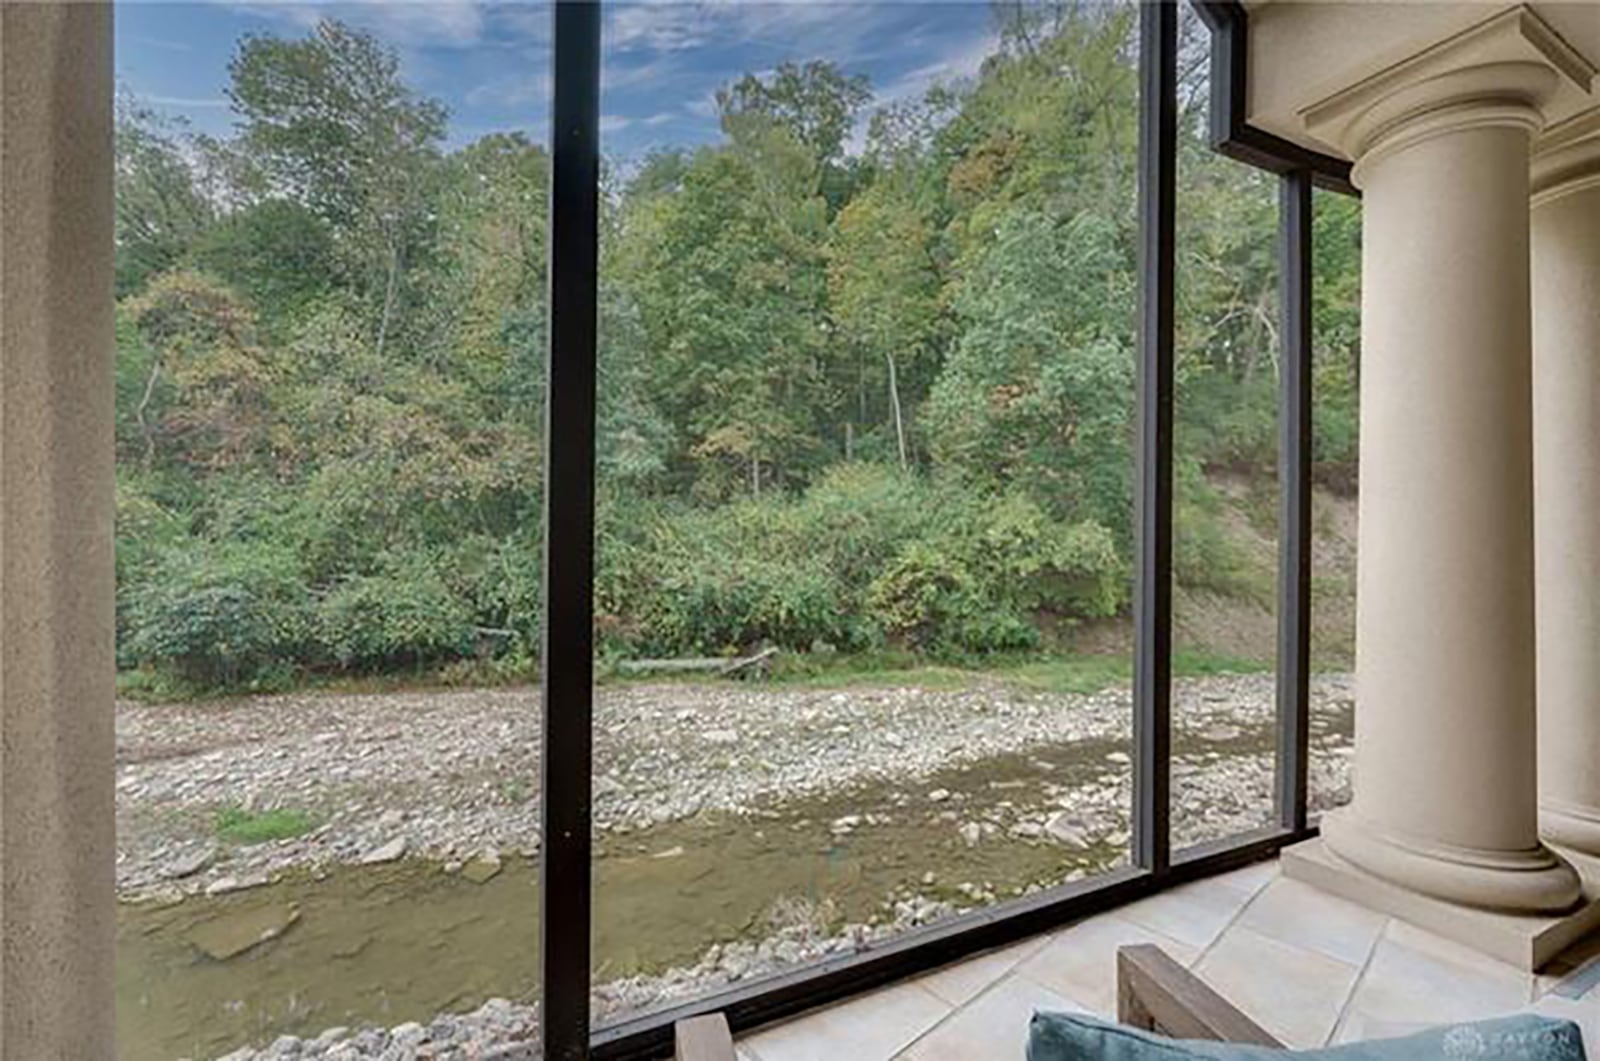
x=867, y=554
x=220, y=613
x=406, y=612
x=932, y=601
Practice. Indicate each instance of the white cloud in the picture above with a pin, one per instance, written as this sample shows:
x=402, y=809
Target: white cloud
x=614, y=123
x=961, y=61
x=514, y=90
x=679, y=25
x=658, y=119
x=403, y=22
x=186, y=102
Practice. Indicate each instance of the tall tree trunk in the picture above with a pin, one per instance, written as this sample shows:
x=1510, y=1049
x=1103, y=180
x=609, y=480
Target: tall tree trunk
x=138, y=413
x=894, y=403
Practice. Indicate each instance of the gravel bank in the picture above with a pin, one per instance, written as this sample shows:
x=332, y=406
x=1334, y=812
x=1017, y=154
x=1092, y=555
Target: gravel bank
x=453, y=776
x=449, y=775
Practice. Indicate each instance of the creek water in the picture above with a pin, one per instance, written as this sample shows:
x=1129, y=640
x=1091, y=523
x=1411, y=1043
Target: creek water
x=381, y=945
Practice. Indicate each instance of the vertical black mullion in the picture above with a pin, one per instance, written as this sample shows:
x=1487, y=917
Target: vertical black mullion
x=1294, y=494
x=568, y=648
x=1152, y=607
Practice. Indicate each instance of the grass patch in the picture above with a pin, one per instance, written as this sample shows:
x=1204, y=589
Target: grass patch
x=239, y=826
x=1068, y=674
x=1080, y=673
x=1189, y=664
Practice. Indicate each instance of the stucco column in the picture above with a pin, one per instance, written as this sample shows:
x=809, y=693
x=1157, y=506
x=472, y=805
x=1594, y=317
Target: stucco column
x=1445, y=784
x=1566, y=404
x=57, y=844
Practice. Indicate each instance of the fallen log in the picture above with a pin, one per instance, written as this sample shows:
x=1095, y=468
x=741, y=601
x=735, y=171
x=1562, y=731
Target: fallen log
x=722, y=666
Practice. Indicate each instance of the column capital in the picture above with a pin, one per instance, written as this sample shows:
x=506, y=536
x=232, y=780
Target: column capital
x=1509, y=69
x=1567, y=158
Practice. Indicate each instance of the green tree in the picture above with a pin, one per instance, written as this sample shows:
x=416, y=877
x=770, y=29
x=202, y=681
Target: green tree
x=730, y=276
x=205, y=400
x=1038, y=391
x=884, y=293
x=330, y=122
x=159, y=211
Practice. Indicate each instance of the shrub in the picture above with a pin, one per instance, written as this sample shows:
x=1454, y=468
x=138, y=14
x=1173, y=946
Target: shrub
x=405, y=612
x=931, y=599
x=221, y=613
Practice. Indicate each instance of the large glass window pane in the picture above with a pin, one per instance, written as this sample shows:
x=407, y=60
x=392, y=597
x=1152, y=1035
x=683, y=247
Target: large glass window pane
x=867, y=378
x=1336, y=363
x=1225, y=533
x=330, y=296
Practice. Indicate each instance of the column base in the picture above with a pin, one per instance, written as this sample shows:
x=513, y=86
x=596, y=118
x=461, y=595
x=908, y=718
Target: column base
x=1569, y=826
x=1535, y=881
x=1527, y=941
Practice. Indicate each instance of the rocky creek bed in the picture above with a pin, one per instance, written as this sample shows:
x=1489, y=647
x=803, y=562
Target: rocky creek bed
x=740, y=829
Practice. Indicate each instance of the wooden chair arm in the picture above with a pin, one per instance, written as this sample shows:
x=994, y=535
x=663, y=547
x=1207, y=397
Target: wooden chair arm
x=1155, y=993
x=703, y=1039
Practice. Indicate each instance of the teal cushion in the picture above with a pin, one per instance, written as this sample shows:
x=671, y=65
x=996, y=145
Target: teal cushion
x=1075, y=1037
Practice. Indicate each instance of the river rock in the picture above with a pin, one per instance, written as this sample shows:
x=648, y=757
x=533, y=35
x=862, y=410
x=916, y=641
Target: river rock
x=188, y=865
x=939, y=795
x=388, y=852
x=482, y=869
x=231, y=934
x=407, y=1036
x=971, y=833
x=1063, y=828
x=224, y=885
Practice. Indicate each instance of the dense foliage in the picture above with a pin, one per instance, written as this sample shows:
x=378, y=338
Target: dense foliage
x=850, y=396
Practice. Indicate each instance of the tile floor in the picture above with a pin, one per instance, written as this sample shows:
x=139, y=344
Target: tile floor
x=1310, y=968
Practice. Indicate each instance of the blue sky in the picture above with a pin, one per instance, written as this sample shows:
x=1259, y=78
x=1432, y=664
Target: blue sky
x=489, y=62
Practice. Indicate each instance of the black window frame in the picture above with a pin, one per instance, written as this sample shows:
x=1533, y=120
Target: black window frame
x=567, y=669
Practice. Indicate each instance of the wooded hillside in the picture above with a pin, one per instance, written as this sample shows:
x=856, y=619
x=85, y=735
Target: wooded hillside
x=857, y=388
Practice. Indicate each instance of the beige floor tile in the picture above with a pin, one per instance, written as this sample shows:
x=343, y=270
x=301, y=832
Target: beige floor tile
x=873, y=1027
x=1081, y=962
x=1358, y=1028
x=993, y=1026
x=1293, y=912
x=1194, y=914
x=1253, y=877
x=1575, y=972
x=1458, y=955
x=1417, y=978
x=1295, y=993
x=958, y=983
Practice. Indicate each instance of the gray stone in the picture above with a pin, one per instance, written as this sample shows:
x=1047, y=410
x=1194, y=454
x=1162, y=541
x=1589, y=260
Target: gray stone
x=188, y=865
x=1064, y=828
x=387, y=852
